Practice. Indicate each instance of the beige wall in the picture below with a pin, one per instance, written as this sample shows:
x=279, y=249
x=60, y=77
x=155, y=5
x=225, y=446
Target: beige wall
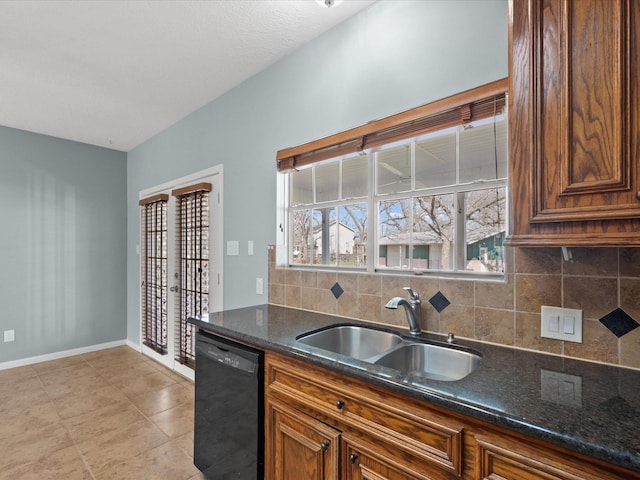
x=596, y=280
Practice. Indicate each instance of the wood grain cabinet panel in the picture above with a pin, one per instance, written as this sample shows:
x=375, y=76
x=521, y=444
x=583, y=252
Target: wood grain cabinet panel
x=321, y=425
x=302, y=447
x=426, y=436
x=361, y=462
x=575, y=122
x=504, y=458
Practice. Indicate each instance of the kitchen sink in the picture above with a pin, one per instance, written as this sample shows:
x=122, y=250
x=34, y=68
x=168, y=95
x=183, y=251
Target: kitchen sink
x=408, y=356
x=355, y=341
x=431, y=361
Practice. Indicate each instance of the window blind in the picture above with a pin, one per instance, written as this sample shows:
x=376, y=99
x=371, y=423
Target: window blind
x=459, y=109
x=154, y=272
x=193, y=258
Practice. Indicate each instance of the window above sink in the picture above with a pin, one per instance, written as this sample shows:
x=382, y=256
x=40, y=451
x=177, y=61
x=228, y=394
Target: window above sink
x=424, y=196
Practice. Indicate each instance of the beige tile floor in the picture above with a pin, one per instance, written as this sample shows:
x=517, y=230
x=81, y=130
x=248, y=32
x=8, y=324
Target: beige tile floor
x=113, y=414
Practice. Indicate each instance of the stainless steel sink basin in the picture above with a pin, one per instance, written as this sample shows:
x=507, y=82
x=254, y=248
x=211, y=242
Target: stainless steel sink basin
x=355, y=341
x=412, y=358
x=431, y=361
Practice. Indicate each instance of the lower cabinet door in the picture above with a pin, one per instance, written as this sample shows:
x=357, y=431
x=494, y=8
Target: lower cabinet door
x=362, y=462
x=302, y=447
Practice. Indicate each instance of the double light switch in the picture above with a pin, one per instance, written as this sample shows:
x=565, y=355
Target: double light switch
x=562, y=324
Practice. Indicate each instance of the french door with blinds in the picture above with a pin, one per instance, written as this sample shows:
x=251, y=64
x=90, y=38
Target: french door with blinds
x=180, y=264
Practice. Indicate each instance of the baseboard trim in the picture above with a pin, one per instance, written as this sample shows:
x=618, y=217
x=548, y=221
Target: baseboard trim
x=65, y=353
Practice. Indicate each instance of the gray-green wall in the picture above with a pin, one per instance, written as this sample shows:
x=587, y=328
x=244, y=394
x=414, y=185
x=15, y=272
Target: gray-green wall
x=393, y=56
x=69, y=211
x=62, y=244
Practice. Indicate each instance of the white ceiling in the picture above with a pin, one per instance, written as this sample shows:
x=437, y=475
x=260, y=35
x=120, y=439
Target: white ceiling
x=113, y=73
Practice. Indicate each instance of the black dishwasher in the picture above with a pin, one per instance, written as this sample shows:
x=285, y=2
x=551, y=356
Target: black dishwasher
x=228, y=428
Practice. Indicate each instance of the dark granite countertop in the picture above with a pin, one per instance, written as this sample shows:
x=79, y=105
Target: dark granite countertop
x=601, y=419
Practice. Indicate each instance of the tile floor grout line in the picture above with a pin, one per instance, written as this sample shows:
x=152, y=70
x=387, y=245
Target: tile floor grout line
x=129, y=402
x=64, y=424
x=55, y=393
x=169, y=438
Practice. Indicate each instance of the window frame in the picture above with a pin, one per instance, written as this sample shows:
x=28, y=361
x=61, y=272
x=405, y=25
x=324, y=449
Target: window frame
x=357, y=141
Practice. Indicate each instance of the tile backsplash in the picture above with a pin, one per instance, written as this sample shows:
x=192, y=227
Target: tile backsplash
x=596, y=280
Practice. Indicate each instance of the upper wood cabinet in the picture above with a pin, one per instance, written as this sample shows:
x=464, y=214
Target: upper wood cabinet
x=575, y=122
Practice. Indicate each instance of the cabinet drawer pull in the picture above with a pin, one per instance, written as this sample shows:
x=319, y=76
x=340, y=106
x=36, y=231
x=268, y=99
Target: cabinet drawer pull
x=324, y=445
x=353, y=458
x=340, y=404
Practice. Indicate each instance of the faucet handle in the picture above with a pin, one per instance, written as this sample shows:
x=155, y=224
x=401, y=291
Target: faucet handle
x=412, y=293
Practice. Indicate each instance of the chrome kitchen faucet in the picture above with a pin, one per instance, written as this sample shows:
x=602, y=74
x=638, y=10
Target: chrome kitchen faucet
x=412, y=308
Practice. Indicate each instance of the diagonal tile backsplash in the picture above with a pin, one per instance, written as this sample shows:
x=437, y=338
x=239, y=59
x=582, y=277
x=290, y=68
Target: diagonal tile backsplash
x=603, y=282
x=619, y=322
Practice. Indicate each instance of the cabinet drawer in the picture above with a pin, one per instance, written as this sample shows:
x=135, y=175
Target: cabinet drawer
x=362, y=461
x=502, y=457
x=385, y=417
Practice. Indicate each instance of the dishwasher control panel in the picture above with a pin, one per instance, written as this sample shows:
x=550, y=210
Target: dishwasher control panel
x=229, y=358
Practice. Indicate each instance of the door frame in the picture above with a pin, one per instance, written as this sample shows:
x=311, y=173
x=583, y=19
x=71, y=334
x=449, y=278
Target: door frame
x=215, y=175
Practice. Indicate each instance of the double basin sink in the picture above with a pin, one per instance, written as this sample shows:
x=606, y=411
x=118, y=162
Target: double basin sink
x=413, y=357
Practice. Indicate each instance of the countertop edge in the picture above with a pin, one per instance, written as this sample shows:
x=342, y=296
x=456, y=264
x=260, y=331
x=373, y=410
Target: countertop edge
x=608, y=455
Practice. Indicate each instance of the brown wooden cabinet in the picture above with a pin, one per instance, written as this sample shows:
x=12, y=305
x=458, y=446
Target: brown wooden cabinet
x=505, y=457
x=575, y=122
x=391, y=436
x=306, y=448
x=323, y=425
x=302, y=446
x=361, y=462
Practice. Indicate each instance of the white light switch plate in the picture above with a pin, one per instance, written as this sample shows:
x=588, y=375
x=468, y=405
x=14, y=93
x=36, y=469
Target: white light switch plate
x=233, y=247
x=9, y=335
x=561, y=324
